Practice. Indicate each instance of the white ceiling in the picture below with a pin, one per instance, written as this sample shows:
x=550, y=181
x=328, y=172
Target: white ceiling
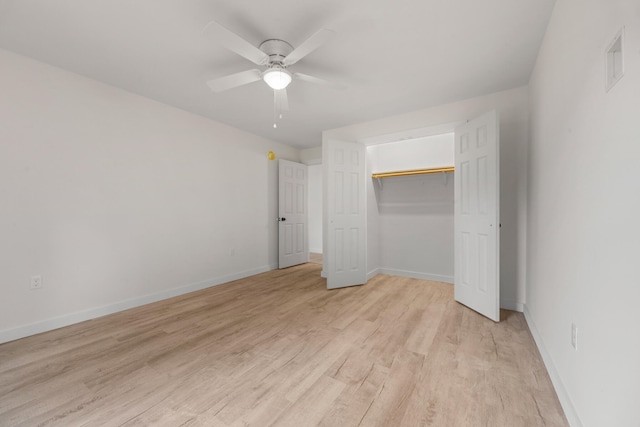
x=395, y=56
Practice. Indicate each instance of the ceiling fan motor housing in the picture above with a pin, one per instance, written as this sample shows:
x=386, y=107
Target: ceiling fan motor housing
x=276, y=49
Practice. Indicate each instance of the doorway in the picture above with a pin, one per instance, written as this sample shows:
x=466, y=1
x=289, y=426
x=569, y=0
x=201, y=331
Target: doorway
x=413, y=214
x=315, y=212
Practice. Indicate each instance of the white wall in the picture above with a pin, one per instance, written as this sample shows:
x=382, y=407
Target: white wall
x=415, y=235
x=512, y=106
x=118, y=200
x=417, y=153
x=311, y=156
x=315, y=208
x=584, y=200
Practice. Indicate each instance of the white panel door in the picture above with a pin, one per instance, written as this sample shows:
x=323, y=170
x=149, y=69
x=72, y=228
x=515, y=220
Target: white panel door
x=477, y=216
x=345, y=201
x=293, y=240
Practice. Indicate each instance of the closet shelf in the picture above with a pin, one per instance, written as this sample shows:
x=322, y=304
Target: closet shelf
x=412, y=172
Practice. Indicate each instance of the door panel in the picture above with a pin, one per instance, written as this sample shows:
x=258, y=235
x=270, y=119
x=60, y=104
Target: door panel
x=293, y=216
x=344, y=172
x=477, y=216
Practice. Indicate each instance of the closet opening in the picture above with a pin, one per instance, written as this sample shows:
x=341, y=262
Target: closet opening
x=411, y=225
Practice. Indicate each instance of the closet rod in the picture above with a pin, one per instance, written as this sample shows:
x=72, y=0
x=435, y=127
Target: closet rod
x=412, y=172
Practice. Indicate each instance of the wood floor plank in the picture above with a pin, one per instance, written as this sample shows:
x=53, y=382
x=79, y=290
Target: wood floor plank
x=391, y=403
x=280, y=349
x=363, y=381
x=313, y=404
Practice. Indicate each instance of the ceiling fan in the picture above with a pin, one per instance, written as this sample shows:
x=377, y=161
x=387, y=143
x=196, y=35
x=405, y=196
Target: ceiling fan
x=273, y=54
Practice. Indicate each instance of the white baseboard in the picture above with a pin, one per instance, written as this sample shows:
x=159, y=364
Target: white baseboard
x=512, y=305
x=316, y=251
x=417, y=275
x=561, y=391
x=80, y=316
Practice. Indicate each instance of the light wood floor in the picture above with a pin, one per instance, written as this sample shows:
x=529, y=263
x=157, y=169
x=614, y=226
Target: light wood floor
x=279, y=349
x=315, y=258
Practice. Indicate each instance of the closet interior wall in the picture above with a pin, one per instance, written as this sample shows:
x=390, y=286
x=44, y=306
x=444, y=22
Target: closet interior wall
x=414, y=214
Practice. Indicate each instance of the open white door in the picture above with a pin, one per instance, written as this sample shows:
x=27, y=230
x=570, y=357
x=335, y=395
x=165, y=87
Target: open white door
x=477, y=216
x=293, y=244
x=344, y=258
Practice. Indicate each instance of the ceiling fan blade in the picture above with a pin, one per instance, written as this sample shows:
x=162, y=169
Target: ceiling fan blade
x=235, y=43
x=282, y=101
x=234, y=80
x=316, y=80
x=308, y=46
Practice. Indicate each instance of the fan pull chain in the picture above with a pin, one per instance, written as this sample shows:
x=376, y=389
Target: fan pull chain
x=275, y=126
x=276, y=109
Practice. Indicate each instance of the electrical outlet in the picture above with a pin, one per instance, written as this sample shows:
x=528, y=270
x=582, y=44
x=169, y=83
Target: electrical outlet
x=36, y=282
x=574, y=336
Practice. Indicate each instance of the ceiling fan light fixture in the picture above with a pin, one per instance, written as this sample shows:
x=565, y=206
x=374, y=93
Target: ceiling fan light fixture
x=277, y=78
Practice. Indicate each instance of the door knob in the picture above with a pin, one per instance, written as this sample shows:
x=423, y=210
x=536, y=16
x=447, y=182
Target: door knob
x=282, y=219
